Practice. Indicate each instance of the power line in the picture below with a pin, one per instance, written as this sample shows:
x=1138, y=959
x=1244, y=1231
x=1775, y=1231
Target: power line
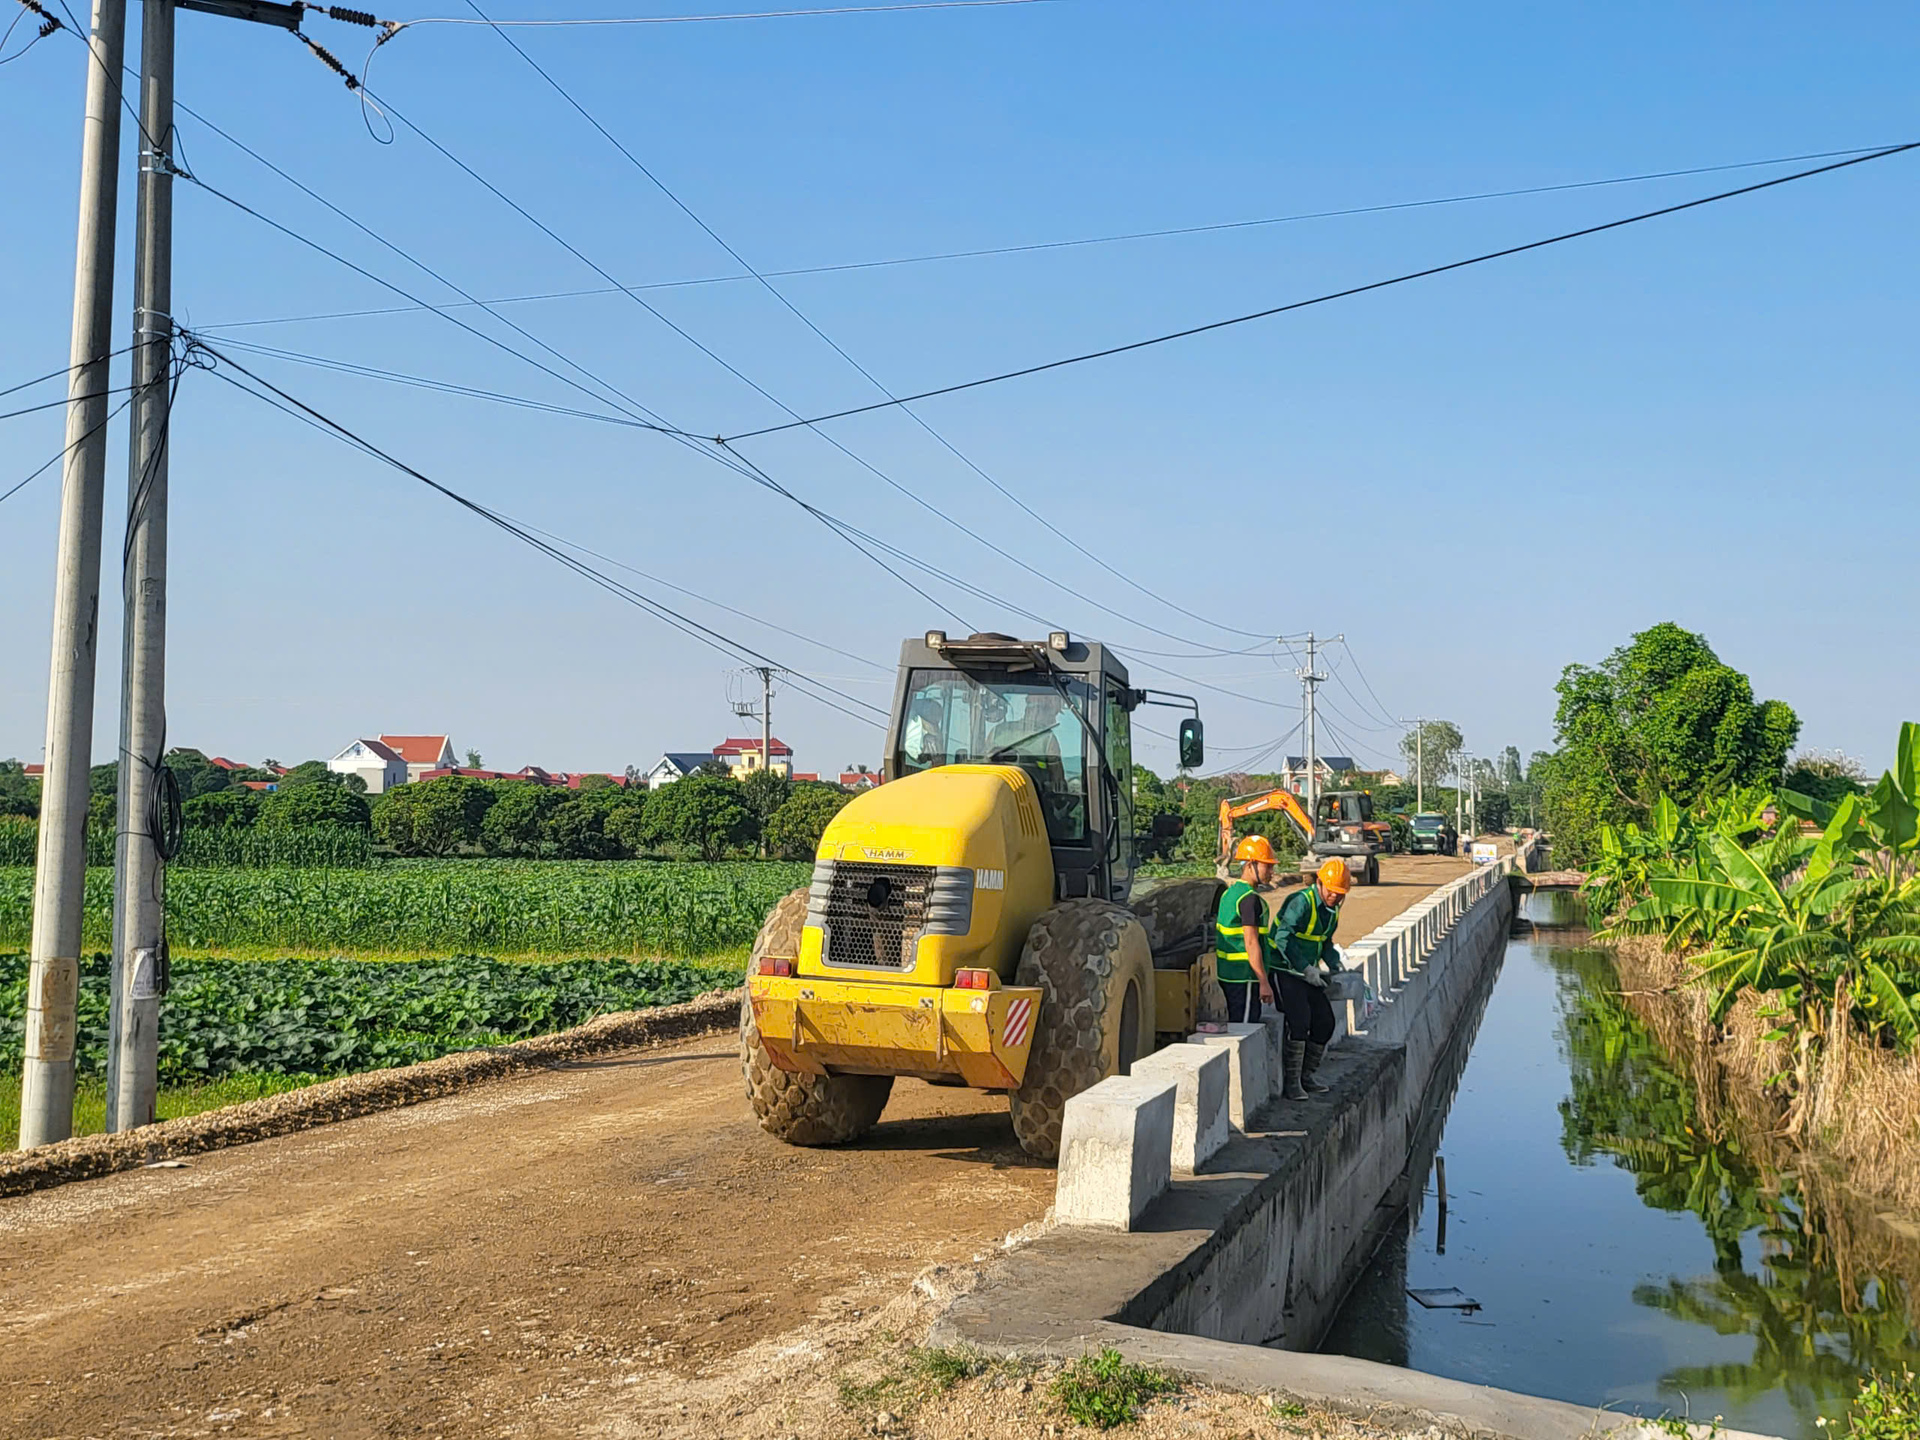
x=652, y=420
x=700, y=19
x=66, y=450
x=1402, y=279
x=1381, y=706
x=1047, y=245
x=733, y=370
x=714, y=639
x=63, y=370
x=63, y=400
x=865, y=373
x=423, y=382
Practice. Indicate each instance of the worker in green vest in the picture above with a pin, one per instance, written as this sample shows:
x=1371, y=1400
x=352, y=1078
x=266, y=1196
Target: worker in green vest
x=1300, y=942
x=1241, y=926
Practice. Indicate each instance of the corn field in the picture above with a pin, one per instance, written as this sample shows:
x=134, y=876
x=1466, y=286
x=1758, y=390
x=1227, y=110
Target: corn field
x=329, y=845
x=459, y=907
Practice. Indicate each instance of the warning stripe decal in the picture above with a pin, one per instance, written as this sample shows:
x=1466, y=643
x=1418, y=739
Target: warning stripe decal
x=1019, y=1020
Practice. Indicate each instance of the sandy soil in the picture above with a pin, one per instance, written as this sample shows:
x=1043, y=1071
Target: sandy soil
x=609, y=1247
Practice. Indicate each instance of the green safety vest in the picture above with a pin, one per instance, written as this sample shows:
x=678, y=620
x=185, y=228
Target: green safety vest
x=1231, y=965
x=1302, y=933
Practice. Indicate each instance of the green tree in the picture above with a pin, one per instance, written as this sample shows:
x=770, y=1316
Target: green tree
x=1431, y=748
x=195, y=774
x=701, y=813
x=314, y=805
x=516, y=822
x=793, y=831
x=1828, y=776
x=1662, y=715
x=626, y=822
x=19, y=794
x=473, y=760
x=763, y=792
x=578, y=830
x=1153, y=796
x=233, y=809
x=315, y=772
x=433, y=817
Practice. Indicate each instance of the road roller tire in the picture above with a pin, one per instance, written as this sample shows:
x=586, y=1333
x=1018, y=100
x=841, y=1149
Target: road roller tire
x=1094, y=968
x=802, y=1109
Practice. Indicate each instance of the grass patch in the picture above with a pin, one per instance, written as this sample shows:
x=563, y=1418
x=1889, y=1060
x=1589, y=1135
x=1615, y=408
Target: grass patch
x=90, y=1100
x=911, y=1379
x=1104, y=1390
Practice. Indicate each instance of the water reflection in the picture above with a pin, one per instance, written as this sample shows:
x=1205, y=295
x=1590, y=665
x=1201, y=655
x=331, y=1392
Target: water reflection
x=1635, y=1243
x=1816, y=1328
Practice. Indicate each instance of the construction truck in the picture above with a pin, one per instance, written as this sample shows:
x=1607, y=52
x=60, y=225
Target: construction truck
x=1346, y=829
x=971, y=921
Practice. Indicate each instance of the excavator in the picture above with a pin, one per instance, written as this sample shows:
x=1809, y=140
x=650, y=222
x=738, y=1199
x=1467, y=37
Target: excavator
x=973, y=920
x=1346, y=829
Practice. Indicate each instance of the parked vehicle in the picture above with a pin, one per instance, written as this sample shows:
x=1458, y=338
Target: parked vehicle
x=1431, y=834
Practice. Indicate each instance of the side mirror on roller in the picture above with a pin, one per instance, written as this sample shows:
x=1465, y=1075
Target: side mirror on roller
x=1193, y=747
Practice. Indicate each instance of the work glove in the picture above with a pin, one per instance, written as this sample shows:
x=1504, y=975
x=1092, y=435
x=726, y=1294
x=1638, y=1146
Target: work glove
x=1314, y=978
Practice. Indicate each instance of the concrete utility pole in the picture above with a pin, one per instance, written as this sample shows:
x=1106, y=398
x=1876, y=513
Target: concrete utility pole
x=139, y=868
x=763, y=712
x=1419, y=764
x=59, y=881
x=1310, y=679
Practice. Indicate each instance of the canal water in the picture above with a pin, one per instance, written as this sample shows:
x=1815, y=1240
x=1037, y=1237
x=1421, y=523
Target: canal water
x=1622, y=1247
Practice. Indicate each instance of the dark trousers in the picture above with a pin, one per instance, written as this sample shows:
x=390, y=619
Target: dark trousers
x=1243, y=1001
x=1309, y=1013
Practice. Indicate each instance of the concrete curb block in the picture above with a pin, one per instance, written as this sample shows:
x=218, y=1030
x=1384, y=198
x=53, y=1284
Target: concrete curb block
x=1199, y=1075
x=1116, y=1147
x=1248, y=1087
x=349, y=1096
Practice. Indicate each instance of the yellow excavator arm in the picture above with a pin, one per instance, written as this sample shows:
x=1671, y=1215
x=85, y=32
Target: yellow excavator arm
x=1235, y=806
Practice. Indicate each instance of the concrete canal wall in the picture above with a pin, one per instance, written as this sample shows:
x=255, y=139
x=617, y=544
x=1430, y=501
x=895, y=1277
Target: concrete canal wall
x=1221, y=1271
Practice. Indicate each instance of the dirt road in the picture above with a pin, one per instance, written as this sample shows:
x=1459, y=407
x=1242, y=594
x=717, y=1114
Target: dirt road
x=589, y=1241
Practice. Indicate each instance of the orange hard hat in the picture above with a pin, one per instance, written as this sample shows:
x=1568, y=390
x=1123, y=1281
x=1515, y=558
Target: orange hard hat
x=1334, y=875
x=1255, y=847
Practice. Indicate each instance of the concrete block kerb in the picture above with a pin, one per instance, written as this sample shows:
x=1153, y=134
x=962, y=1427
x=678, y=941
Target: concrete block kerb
x=1116, y=1149
x=1199, y=1075
x=1248, y=1087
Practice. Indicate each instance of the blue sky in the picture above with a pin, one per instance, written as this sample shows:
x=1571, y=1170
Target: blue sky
x=1477, y=478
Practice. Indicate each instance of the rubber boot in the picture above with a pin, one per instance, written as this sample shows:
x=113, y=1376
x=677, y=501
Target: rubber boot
x=1315, y=1054
x=1295, y=1059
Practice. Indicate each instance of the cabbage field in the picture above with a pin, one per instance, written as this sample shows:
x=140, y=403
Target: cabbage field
x=336, y=1017
x=502, y=908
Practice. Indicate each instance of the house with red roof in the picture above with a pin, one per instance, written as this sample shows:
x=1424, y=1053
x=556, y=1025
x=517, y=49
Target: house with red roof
x=374, y=761
x=422, y=752
x=743, y=757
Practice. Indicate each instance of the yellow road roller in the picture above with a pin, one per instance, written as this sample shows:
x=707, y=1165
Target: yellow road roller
x=972, y=920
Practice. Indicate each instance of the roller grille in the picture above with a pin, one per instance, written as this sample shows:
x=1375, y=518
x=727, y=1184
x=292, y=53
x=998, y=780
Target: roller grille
x=875, y=913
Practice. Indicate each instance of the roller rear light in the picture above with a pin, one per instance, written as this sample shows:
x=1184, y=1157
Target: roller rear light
x=780, y=965
x=973, y=979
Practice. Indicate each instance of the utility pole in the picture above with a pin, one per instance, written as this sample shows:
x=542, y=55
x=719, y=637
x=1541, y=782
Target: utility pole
x=763, y=712
x=139, y=867
x=1310, y=679
x=1419, y=764
x=59, y=881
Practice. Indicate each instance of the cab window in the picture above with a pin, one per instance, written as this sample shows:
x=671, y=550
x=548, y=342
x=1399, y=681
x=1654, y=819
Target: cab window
x=956, y=718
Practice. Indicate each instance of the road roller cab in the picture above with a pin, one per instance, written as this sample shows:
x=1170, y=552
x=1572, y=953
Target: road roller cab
x=968, y=921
